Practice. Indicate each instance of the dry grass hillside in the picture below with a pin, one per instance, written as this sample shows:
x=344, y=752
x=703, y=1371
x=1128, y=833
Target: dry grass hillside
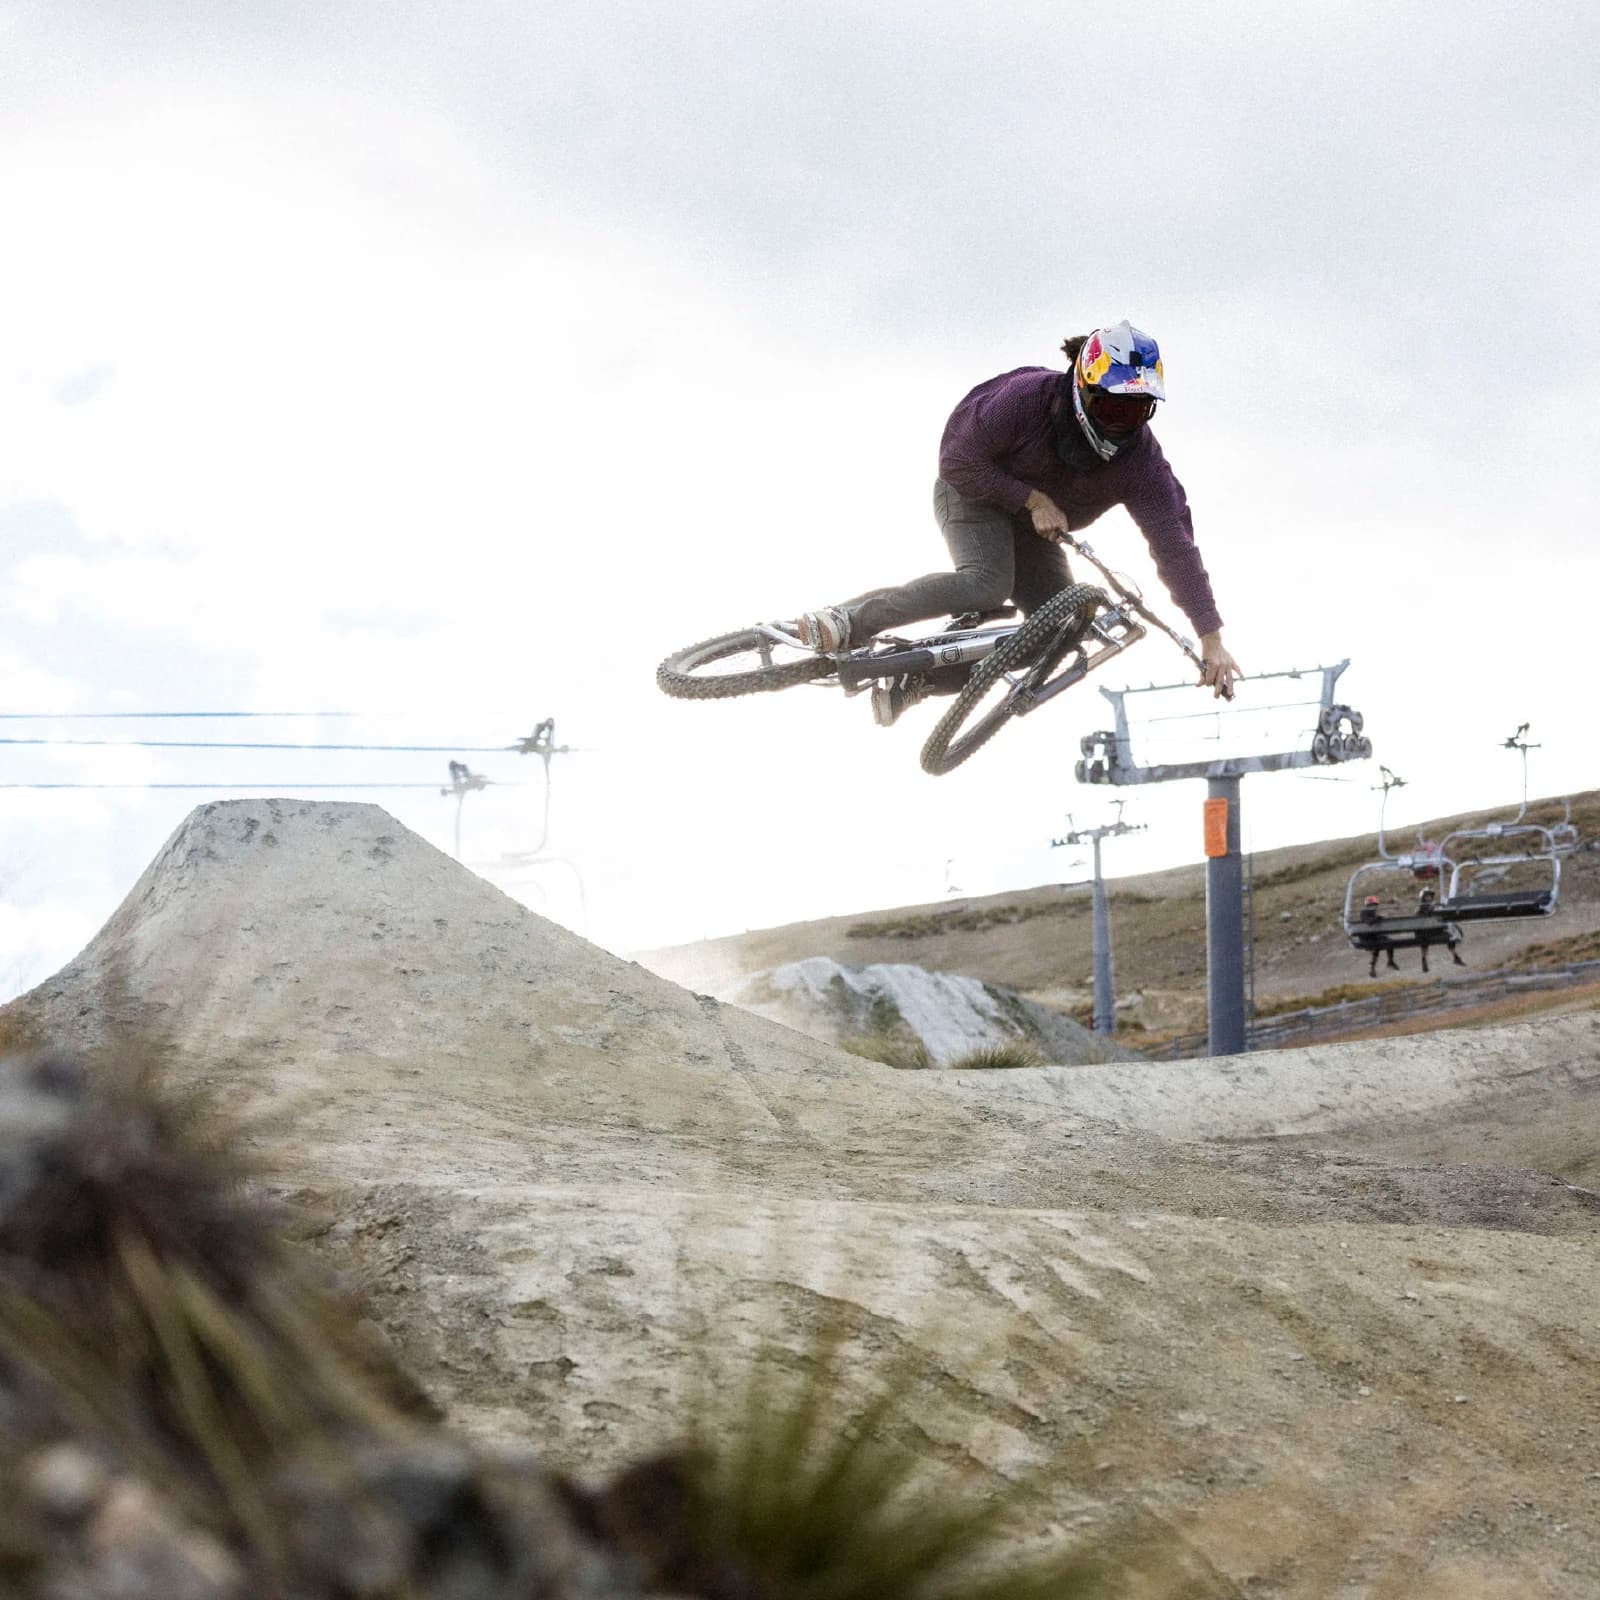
x=1037, y=941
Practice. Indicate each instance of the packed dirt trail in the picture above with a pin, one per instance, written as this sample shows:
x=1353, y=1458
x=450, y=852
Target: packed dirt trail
x=1305, y=1303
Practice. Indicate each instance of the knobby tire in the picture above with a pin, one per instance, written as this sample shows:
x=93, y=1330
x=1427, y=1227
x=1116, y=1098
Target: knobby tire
x=1038, y=645
x=680, y=674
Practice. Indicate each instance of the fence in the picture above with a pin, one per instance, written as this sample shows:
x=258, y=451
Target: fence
x=1392, y=1005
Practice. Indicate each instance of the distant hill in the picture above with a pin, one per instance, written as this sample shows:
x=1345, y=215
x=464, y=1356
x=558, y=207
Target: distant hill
x=1038, y=941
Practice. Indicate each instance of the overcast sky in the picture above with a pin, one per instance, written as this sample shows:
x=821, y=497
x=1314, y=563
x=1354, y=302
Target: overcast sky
x=450, y=365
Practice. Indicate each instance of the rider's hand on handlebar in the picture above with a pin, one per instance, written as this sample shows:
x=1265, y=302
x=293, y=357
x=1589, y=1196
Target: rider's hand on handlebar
x=1049, y=520
x=1217, y=667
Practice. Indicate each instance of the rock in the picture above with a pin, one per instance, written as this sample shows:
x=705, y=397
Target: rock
x=947, y=1014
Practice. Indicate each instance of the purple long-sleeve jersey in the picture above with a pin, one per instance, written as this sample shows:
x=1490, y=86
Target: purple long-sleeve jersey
x=999, y=444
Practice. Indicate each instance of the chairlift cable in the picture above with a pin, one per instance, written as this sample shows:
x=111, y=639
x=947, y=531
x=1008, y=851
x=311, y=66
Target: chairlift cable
x=225, y=744
x=289, y=787
x=110, y=716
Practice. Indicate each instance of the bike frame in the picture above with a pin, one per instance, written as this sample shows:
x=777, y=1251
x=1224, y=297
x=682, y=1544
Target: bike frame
x=1112, y=631
x=954, y=648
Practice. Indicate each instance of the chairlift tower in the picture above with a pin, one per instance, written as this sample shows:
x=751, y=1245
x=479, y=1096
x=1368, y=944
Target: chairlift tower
x=1108, y=758
x=541, y=743
x=463, y=781
x=1105, y=999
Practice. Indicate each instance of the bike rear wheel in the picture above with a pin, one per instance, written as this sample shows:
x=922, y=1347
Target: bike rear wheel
x=751, y=661
x=994, y=693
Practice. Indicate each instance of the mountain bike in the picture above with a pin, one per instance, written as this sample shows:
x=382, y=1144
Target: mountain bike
x=996, y=669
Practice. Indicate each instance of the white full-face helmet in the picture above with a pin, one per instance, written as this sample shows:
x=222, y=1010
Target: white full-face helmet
x=1117, y=381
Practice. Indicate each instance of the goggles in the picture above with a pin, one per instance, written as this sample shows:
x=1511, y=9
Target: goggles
x=1118, y=413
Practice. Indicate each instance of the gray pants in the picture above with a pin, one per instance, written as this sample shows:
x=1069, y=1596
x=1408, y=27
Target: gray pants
x=997, y=555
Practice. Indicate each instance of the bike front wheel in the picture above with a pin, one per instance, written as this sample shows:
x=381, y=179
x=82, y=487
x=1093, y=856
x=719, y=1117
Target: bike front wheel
x=751, y=661
x=1003, y=684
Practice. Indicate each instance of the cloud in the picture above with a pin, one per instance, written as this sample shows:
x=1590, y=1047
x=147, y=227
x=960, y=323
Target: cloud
x=463, y=366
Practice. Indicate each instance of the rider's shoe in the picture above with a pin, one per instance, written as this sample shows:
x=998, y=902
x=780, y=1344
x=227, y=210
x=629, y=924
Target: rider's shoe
x=890, y=699
x=824, y=630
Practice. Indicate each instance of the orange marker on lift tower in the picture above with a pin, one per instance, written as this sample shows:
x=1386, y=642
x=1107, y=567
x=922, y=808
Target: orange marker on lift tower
x=1216, y=826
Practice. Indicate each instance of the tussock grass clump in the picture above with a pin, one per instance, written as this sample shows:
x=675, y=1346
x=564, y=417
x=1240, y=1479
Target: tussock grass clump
x=188, y=1409
x=789, y=1496
x=994, y=1057
x=895, y=1050
x=890, y=1049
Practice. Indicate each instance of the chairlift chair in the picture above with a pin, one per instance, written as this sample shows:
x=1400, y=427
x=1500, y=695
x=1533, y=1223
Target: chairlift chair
x=1370, y=929
x=1477, y=891
x=1477, y=888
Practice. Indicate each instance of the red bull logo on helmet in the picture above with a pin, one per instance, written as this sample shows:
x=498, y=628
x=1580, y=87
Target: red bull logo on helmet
x=1094, y=360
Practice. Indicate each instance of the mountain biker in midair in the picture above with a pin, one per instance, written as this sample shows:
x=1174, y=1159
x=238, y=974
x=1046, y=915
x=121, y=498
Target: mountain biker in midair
x=1027, y=457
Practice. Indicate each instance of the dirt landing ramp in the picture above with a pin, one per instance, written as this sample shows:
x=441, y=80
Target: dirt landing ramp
x=1527, y=1094
x=585, y=1194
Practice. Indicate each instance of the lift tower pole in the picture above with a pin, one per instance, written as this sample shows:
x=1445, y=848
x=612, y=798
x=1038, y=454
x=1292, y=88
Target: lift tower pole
x=1226, y=1026
x=1335, y=736
x=1105, y=999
